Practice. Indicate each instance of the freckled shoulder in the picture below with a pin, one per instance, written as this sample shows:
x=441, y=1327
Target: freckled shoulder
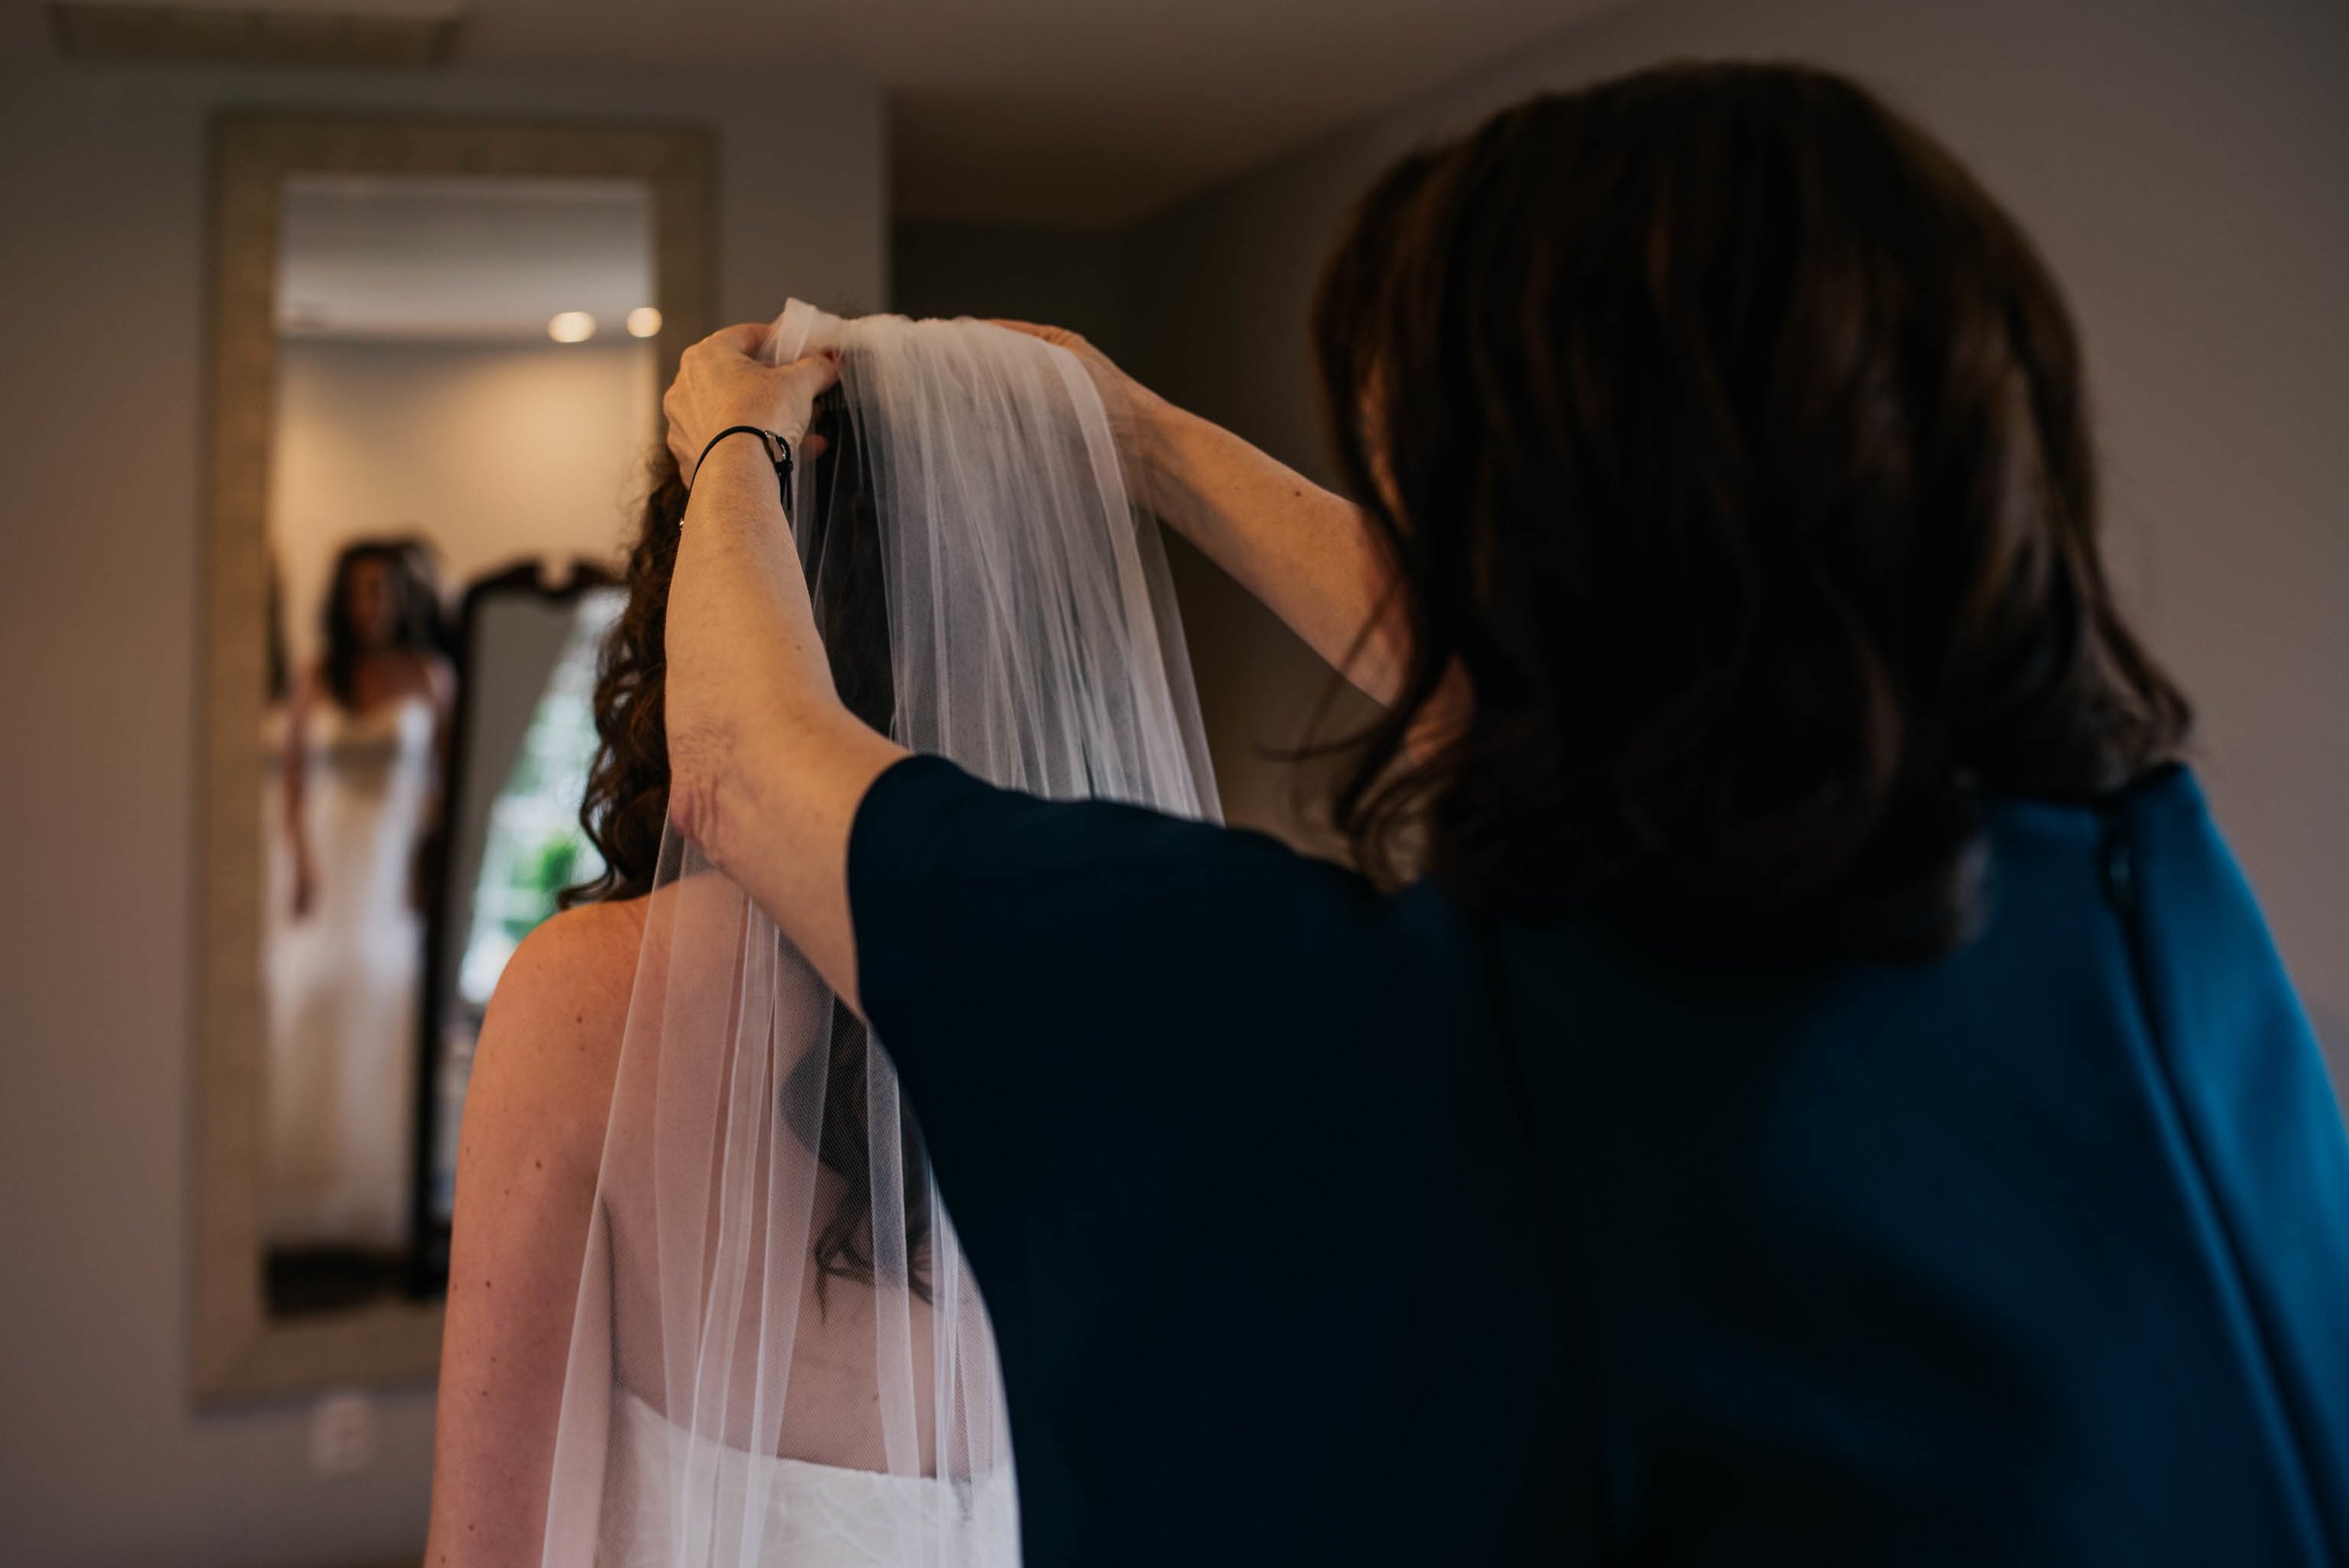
x=574, y=973
x=551, y=1043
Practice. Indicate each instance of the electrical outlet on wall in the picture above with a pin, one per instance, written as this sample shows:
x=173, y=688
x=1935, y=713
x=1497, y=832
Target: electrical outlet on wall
x=342, y=1435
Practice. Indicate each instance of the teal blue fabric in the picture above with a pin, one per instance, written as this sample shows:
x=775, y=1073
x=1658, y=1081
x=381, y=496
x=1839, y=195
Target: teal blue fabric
x=1322, y=1226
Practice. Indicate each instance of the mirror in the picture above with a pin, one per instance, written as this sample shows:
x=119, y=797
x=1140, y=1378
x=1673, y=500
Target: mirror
x=464, y=375
x=438, y=357
x=524, y=736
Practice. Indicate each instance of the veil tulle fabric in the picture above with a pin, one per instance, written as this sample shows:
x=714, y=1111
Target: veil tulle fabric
x=779, y=1355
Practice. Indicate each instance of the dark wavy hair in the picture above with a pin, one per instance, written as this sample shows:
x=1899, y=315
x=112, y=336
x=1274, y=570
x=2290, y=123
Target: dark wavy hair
x=1730, y=443
x=627, y=801
x=417, y=609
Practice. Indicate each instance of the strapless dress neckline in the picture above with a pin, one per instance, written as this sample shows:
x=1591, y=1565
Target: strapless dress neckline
x=673, y=1496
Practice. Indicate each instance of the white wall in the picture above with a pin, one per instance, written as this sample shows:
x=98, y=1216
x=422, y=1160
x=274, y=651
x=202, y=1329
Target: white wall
x=2185, y=165
x=102, y=318
x=495, y=453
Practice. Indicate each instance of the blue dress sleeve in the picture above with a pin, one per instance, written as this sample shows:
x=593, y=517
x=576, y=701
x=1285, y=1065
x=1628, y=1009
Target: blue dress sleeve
x=1203, y=1110
x=1080, y=993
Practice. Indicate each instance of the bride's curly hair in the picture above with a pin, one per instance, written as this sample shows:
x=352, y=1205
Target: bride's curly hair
x=1730, y=443
x=627, y=803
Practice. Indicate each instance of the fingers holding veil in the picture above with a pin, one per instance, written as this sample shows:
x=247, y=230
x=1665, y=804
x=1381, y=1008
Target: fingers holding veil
x=724, y=380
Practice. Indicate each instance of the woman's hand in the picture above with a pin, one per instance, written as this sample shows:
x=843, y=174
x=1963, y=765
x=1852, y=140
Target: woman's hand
x=720, y=382
x=1061, y=337
x=1142, y=404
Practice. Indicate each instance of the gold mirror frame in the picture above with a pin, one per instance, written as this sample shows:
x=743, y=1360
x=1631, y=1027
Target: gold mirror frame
x=241, y=1353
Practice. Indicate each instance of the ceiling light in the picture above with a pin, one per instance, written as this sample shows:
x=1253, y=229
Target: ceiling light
x=571, y=326
x=644, y=321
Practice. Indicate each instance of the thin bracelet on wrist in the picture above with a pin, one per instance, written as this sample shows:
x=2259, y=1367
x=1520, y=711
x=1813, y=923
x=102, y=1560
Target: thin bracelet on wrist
x=777, y=452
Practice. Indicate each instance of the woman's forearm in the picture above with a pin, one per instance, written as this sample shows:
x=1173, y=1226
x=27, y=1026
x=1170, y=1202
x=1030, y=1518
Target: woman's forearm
x=294, y=761
x=1308, y=554
x=767, y=766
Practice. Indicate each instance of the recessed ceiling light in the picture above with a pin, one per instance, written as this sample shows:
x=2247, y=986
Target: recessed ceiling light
x=571, y=326
x=644, y=321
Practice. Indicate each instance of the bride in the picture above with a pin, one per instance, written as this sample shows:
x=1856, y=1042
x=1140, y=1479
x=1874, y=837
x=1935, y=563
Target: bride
x=364, y=739
x=704, y=1304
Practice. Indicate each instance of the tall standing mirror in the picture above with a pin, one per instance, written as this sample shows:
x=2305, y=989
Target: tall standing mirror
x=438, y=355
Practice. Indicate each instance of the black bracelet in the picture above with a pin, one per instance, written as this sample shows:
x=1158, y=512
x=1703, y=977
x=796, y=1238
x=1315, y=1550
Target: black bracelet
x=778, y=450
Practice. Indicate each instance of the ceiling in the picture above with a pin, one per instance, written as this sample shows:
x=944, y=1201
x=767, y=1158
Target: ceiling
x=1066, y=113
x=460, y=260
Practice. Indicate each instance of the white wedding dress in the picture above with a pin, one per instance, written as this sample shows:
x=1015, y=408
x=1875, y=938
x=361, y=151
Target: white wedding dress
x=342, y=981
x=809, y=1515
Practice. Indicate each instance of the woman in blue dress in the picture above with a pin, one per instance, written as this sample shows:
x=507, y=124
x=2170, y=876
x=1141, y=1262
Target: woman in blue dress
x=1794, y=1075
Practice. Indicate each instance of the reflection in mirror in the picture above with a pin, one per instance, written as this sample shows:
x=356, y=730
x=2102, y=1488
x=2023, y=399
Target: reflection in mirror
x=466, y=383
x=349, y=809
x=525, y=734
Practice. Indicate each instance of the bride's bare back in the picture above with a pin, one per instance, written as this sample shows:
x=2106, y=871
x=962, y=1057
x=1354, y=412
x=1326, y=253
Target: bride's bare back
x=535, y=1118
x=535, y=1137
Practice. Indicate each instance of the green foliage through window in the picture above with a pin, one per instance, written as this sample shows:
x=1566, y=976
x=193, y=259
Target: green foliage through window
x=533, y=847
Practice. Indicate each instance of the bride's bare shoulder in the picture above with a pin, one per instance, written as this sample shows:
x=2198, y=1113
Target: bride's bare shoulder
x=574, y=971
x=551, y=1042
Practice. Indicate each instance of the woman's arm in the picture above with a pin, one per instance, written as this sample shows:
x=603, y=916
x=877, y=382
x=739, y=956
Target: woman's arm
x=533, y=1138
x=1308, y=553
x=766, y=765
x=296, y=777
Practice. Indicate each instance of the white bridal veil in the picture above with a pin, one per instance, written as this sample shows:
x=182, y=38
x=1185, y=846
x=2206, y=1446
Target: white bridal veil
x=779, y=1355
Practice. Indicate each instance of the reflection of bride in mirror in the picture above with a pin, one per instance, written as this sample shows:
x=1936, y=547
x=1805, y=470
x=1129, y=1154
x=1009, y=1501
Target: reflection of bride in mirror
x=366, y=731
